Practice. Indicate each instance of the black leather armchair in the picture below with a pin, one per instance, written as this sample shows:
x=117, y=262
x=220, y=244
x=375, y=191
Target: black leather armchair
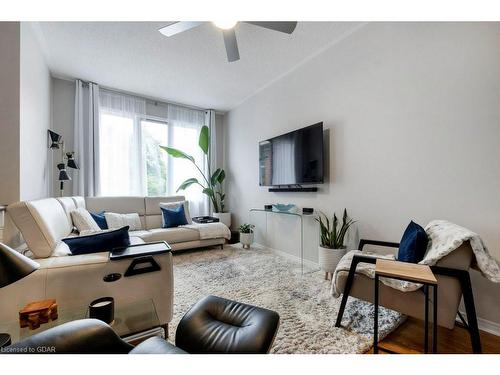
x=86, y=336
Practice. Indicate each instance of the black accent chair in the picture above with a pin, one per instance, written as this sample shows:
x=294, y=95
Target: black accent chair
x=452, y=273
x=212, y=325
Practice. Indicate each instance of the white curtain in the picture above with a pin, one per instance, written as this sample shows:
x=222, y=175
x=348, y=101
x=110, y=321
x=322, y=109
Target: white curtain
x=120, y=147
x=185, y=126
x=210, y=122
x=86, y=139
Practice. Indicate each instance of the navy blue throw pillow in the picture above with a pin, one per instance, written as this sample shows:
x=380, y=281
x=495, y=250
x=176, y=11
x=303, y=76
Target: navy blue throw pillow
x=100, y=219
x=413, y=244
x=173, y=217
x=98, y=242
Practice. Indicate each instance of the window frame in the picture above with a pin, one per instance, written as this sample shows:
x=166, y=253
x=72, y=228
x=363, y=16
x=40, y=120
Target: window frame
x=162, y=121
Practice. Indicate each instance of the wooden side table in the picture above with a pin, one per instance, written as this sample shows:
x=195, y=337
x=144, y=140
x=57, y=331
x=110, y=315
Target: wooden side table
x=417, y=273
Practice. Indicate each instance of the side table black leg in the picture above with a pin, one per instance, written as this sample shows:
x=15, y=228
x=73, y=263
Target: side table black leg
x=375, y=318
x=434, y=319
x=5, y=340
x=426, y=319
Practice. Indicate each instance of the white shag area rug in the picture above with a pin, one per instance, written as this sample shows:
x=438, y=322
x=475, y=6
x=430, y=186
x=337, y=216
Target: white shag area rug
x=264, y=278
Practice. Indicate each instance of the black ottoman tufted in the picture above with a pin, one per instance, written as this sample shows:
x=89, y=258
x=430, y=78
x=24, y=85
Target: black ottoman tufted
x=218, y=325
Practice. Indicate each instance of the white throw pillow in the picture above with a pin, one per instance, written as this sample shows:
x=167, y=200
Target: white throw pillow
x=83, y=221
x=61, y=250
x=173, y=206
x=116, y=221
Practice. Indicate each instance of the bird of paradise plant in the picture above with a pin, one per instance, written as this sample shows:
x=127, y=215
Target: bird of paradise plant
x=211, y=183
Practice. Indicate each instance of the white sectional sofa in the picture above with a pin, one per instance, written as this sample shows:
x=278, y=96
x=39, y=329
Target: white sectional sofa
x=77, y=280
x=149, y=211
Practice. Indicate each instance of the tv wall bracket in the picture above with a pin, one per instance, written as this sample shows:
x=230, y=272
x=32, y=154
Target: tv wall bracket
x=292, y=189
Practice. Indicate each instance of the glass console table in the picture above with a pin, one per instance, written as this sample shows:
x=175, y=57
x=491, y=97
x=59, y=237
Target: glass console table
x=300, y=216
x=134, y=321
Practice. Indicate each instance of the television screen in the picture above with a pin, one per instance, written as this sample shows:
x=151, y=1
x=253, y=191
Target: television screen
x=293, y=158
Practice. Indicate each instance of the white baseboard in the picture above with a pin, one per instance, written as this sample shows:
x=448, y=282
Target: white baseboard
x=489, y=326
x=485, y=325
x=307, y=263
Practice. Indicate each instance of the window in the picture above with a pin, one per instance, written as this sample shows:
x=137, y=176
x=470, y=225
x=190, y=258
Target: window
x=118, y=157
x=130, y=160
x=154, y=134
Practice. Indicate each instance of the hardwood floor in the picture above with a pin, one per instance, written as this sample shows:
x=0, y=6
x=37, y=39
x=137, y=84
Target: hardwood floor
x=408, y=339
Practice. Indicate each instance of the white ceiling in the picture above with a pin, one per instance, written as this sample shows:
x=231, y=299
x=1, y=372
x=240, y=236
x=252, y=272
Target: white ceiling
x=190, y=67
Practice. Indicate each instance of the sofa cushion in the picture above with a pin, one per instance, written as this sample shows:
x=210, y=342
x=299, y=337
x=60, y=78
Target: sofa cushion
x=413, y=244
x=172, y=235
x=153, y=203
x=79, y=201
x=134, y=240
x=43, y=223
x=98, y=242
x=68, y=204
x=138, y=233
x=121, y=205
x=174, y=217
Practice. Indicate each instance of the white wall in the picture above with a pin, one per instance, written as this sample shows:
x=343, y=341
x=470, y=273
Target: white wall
x=63, y=115
x=413, y=119
x=9, y=112
x=24, y=114
x=35, y=104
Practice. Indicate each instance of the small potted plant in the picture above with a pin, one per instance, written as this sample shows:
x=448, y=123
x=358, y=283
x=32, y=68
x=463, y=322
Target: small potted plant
x=246, y=235
x=332, y=247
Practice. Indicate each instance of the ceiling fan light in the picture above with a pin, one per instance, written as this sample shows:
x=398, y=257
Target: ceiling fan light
x=225, y=24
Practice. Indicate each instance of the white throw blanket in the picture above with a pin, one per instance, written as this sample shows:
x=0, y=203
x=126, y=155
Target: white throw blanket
x=210, y=230
x=444, y=237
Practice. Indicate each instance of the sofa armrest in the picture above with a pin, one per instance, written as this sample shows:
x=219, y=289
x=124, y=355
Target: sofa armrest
x=85, y=336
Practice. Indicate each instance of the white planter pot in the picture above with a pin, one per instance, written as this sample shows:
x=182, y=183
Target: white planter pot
x=224, y=217
x=246, y=239
x=329, y=258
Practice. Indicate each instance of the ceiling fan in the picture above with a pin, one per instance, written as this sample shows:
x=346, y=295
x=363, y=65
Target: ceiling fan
x=228, y=32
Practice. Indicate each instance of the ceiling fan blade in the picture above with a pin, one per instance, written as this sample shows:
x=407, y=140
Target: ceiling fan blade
x=231, y=45
x=179, y=27
x=284, y=27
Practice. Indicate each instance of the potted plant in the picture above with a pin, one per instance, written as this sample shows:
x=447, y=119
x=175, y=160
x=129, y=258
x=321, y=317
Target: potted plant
x=332, y=247
x=246, y=235
x=211, y=183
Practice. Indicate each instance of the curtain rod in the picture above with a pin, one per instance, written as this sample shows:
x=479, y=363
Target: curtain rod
x=150, y=98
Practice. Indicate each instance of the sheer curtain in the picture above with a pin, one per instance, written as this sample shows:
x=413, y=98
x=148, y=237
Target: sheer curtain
x=120, y=148
x=86, y=139
x=186, y=125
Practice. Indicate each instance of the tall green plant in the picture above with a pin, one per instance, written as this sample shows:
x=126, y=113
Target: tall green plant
x=332, y=236
x=211, y=182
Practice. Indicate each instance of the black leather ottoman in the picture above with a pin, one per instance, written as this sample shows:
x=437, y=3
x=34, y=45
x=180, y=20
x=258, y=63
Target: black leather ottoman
x=218, y=325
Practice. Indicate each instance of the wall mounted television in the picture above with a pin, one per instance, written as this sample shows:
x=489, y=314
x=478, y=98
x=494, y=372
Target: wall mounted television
x=292, y=159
